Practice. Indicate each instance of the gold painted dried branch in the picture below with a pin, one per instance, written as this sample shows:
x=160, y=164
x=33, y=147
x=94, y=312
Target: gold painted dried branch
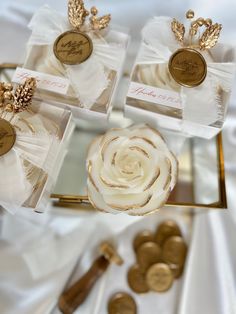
x=18, y=100
x=210, y=36
x=77, y=13
x=98, y=23
x=178, y=30
x=77, y=16
x=23, y=95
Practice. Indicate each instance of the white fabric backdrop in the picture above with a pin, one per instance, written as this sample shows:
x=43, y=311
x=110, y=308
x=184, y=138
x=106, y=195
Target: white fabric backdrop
x=38, y=253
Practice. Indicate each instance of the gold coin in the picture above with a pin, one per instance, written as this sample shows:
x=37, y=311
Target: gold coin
x=73, y=47
x=174, y=251
x=188, y=67
x=142, y=237
x=7, y=136
x=136, y=279
x=122, y=303
x=166, y=229
x=159, y=277
x=177, y=270
x=148, y=254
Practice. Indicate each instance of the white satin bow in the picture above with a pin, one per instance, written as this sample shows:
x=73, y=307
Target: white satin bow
x=88, y=79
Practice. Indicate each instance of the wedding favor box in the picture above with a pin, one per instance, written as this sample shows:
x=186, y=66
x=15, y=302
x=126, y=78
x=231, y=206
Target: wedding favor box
x=182, y=79
x=87, y=87
x=39, y=136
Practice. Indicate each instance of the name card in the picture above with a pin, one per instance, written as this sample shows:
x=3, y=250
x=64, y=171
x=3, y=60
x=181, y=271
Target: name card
x=154, y=95
x=47, y=82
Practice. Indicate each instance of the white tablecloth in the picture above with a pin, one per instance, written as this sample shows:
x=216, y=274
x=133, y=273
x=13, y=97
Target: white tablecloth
x=39, y=252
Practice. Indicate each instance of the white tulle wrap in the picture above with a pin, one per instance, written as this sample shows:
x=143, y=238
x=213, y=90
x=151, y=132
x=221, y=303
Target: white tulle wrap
x=201, y=104
x=88, y=79
x=32, y=152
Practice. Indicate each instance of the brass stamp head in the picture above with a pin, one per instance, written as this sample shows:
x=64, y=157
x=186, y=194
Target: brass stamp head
x=110, y=253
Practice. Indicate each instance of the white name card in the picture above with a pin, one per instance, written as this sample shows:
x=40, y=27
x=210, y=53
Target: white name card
x=154, y=95
x=45, y=81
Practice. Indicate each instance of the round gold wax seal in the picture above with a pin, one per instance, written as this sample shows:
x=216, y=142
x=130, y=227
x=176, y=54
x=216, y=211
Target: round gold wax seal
x=174, y=251
x=73, y=47
x=159, y=277
x=188, y=67
x=7, y=136
x=148, y=254
x=136, y=279
x=142, y=237
x=166, y=229
x=122, y=303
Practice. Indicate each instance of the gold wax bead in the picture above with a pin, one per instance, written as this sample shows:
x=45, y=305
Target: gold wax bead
x=9, y=108
x=8, y=86
x=208, y=22
x=94, y=11
x=7, y=95
x=190, y=14
x=200, y=21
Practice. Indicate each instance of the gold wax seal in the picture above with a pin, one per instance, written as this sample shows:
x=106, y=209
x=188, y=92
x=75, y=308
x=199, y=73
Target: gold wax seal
x=148, y=254
x=159, y=277
x=136, y=279
x=174, y=251
x=188, y=67
x=142, y=237
x=167, y=229
x=7, y=136
x=73, y=47
x=122, y=303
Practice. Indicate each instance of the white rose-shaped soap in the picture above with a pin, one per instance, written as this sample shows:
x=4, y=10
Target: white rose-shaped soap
x=130, y=170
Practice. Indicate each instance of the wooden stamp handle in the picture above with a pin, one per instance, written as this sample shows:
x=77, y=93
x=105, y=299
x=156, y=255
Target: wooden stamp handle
x=76, y=294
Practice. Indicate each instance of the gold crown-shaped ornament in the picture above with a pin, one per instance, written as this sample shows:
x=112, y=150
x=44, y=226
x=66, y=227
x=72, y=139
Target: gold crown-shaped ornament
x=187, y=65
x=75, y=46
x=13, y=101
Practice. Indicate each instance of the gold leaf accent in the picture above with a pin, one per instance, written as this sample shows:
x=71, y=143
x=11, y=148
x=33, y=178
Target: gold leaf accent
x=210, y=36
x=179, y=30
x=77, y=13
x=23, y=95
x=99, y=23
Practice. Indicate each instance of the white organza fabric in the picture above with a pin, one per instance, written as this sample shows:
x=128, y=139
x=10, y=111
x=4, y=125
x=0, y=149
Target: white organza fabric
x=30, y=153
x=201, y=104
x=88, y=79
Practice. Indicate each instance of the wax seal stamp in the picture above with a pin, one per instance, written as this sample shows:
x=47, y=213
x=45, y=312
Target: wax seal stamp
x=122, y=303
x=73, y=47
x=187, y=65
x=7, y=137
